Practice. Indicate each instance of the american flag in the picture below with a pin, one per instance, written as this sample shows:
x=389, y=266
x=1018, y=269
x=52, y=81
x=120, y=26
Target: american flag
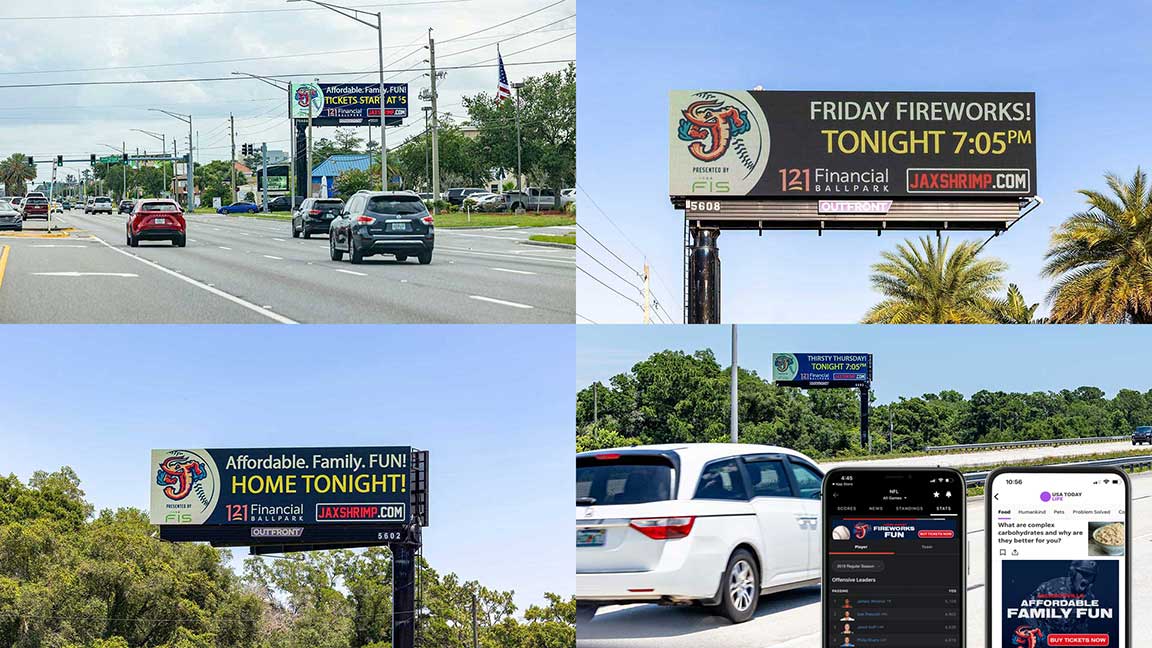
x=503, y=90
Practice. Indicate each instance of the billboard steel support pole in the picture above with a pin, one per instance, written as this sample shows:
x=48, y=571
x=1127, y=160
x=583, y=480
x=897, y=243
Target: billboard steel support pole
x=704, y=277
x=865, y=391
x=403, y=595
x=264, y=174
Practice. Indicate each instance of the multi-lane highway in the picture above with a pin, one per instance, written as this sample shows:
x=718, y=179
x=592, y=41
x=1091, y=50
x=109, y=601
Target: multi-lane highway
x=1001, y=455
x=792, y=619
x=238, y=269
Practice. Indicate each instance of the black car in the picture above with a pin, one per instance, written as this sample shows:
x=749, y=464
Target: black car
x=457, y=196
x=1142, y=434
x=125, y=207
x=315, y=216
x=284, y=203
x=383, y=222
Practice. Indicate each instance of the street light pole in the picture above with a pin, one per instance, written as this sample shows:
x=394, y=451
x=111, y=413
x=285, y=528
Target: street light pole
x=517, y=86
x=191, y=170
x=286, y=87
x=349, y=12
x=163, y=148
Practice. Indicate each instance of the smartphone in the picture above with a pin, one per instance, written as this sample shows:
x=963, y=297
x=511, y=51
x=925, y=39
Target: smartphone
x=1057, y=567
x=894, y=558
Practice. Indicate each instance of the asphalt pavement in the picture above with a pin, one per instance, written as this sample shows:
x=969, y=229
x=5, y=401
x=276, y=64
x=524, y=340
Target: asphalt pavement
x=241, y=269
x=792, y=619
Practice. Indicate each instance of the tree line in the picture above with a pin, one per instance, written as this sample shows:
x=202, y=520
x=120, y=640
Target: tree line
x=677, y=397
x=73, y=578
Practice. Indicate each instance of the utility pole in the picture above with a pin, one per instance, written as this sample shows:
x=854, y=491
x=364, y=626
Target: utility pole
x=232, y=126
x=647, y=296
x=734, y=424
x=435, y=126
x=427, y=150
x=595, y=405
x=123, y=172
x=475, y=644
x=383, y=119
x=264, y=173
x=518, y=173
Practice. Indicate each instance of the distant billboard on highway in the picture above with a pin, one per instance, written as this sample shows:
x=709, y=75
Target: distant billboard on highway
x=348, y=104
x=281, y=486
x=928, y=145
x=822, y=369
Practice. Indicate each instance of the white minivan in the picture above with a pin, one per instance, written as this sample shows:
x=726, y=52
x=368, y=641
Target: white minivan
x=714, y=524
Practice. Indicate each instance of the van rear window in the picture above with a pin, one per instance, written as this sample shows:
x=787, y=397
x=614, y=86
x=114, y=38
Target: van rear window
x=630, y=479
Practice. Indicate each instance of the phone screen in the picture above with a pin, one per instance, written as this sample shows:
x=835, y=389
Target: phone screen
x=1057, y=549
x=893, y=558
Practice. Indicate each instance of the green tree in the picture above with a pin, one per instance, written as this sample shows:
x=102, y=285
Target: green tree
x=1013, y=309
x=354, y=180
x=15, y=172
x=214, y=180
x=929, y=284
x=1102, y=257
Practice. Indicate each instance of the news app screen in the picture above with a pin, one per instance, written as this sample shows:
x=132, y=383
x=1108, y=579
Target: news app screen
x=1058, y=547
x=894, y=559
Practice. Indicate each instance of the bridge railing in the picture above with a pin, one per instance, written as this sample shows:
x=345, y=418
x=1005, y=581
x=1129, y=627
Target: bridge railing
x=969, y=447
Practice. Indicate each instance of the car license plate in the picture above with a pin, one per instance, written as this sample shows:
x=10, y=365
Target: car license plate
x=589, y=537
x=397, y=227
x=161, y=221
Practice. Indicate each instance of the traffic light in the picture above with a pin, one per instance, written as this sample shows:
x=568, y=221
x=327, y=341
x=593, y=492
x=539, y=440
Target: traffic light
x=59, y=160
x=124, y=158
x=92, y=159
x=247, y=149
x=31, y=161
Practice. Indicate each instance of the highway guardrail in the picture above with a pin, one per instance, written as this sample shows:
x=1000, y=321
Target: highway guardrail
x=961, y=447
x=973, y=479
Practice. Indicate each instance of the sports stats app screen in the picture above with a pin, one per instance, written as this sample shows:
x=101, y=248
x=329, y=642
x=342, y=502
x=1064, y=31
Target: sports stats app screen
x=894, y=559
x=1058, y=547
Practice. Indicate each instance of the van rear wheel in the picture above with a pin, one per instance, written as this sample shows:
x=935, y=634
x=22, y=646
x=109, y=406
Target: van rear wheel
x=740, y=587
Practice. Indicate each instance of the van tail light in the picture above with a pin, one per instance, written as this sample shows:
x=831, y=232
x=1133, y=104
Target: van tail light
x=427, y=220
x=365, y=220
x=669, y=528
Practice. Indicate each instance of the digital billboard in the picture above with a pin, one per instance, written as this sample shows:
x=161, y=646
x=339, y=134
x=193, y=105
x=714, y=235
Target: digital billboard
x=295, y=487
x=822, y=369
x=875, y=145
x=348, y=104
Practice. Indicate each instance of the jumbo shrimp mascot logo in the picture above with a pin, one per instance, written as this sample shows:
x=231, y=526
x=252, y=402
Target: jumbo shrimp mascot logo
x=783, y=366
x=720, y=144
x=185, y=489
x=309, y=100
x=1027, y=637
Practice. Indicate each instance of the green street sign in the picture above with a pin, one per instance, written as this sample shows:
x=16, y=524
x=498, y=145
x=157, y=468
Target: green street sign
x=109, y=159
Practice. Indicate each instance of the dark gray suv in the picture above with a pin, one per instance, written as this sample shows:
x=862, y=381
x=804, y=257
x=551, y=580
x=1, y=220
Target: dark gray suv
x=383, y=222
x=1142, y=434
x=315, y=216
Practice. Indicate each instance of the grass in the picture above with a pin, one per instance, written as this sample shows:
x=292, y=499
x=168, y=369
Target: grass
x=566, y=239
x=284, y=216
x=459, y=219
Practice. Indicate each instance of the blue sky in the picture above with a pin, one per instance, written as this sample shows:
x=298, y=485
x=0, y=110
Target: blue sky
x=1084, y=61
x=496, y=419
x=908, y=360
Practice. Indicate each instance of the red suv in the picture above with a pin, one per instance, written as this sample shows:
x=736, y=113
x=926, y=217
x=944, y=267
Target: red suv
x=35, y=207
x=156, y=220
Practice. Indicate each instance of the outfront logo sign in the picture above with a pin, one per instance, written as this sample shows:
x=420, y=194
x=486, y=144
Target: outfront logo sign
x=720, y=143
x=186, y=487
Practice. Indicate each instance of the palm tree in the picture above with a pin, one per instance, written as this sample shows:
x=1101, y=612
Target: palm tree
x=1013, y=309
x=15, y=172
x=927, y=284
x=1103, y=257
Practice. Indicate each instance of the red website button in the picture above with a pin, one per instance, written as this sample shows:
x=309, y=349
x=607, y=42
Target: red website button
x=1058, y=640
x=935, y=533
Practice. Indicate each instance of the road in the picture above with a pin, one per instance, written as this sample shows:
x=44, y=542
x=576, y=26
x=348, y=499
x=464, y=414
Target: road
x=1002, y=455
x=792, y=619
x=240, y=270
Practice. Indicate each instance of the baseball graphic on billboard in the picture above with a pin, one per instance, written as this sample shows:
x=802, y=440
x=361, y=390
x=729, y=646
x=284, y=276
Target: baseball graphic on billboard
x=719, y=142
x=186, y=486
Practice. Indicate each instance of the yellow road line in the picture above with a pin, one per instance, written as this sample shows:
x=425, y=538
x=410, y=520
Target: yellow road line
x=3, y=264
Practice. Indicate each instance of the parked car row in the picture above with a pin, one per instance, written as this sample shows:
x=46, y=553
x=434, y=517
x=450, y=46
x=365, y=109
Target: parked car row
x=528, y=199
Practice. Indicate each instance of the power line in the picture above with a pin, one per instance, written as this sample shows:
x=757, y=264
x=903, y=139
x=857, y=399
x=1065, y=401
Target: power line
x=479, y=31
x=597, y=280
x=276, y=76
x=602, y=265
x=222, y=13
x=590, y=321
x=618, y=258
x=530, y=31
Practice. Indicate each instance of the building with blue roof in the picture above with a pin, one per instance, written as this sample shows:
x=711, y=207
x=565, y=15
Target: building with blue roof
x=330, y=169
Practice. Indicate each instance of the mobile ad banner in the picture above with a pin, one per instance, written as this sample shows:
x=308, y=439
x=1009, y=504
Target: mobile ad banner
x=862, y=144
x=287, y=486
x=1059, y=603
x=348, y=104
x=800, y=369
x=880, y=530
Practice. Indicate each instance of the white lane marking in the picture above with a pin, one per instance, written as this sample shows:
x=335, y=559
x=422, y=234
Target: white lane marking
x=351, y=272
x=199, y=284
x=85, y=274
x=282, y=240
x=502, y=238
x=523, y=272
x=224, y=248
x=269, y=256
x=570, y=261
x=53, y=245
x=499, y=301
x=245, y=234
